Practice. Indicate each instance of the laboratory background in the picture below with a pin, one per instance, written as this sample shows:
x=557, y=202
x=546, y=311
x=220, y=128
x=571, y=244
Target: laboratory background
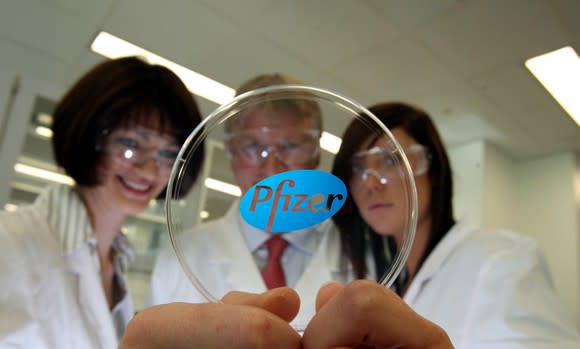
x=515, y=150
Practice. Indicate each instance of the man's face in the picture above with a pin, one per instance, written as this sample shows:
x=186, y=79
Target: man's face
x=268, y=142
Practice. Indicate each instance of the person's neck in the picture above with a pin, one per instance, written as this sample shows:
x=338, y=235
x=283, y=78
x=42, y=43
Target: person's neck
x=422, y=237
x=106, y=221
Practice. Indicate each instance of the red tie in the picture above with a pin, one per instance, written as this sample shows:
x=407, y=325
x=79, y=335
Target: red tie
x=273, y=273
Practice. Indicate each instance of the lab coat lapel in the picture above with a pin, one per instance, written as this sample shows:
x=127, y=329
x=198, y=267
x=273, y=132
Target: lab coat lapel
x=323, y=268
x=90, y=296
x=236, y=262
x=435, y=260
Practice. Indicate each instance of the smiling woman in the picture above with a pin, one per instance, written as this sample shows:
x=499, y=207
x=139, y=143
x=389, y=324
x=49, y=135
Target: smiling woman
x=116, y=132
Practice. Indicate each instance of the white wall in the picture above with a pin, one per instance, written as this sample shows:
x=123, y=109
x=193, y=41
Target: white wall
x=499, y=200
x=483, y=180
x=548, y=211
x=539, y=197
x=7, y=80
x=467, y=166
x=577, y=200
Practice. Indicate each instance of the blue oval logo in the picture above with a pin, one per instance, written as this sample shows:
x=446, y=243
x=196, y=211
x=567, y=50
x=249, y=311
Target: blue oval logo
x=293, y=200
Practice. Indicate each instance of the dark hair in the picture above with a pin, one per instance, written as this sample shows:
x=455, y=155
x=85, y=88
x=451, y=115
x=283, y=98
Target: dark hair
x=352, y=227
x=120, y=93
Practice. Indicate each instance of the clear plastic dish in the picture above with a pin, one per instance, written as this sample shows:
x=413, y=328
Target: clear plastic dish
x=216, y=254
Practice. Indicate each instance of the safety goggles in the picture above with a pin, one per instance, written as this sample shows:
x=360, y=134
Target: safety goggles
x=386, y=165
x=291, y=146
x=131, y=149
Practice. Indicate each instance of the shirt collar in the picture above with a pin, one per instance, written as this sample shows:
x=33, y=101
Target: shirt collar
x=304, y=239
x=69, y=221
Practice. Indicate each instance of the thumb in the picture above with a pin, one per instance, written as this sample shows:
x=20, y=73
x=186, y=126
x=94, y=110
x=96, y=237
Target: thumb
x=283, y=302
x=326, y=292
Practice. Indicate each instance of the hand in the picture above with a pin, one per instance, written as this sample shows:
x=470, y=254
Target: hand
x=365, y=314
x=241, y=321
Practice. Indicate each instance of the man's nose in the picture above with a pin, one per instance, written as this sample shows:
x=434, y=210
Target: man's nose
x=272, y=164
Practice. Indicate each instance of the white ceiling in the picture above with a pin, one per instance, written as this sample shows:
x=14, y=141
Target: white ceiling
x=461, y=60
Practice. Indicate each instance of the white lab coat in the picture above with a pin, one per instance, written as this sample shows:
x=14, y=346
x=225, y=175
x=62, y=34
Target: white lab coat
x=221, y=260
x=486, y=289
x=491, y=290
x=47, y=299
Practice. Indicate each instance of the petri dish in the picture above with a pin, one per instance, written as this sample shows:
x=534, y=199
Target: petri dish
x=272, y=170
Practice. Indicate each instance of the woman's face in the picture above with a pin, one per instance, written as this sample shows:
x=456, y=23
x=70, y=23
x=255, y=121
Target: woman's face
x=376, y=186
x=136, y=167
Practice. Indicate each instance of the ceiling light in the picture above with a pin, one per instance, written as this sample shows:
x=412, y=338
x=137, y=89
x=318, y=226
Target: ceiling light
x=330, y=142
x=27, y=187
x=559, y=72
x=223, y=187
x=44, y=119
x=113, y=47
x=204, y=214
x=10, y=207
x=43, y=174
x=43, y=131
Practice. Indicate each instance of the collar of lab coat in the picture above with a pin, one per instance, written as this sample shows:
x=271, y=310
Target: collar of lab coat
x=69, y=222
x=303, y=239
x=238, y=266
x=455, y=236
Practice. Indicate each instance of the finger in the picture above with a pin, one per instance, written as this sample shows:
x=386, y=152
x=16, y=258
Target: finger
x=367, y=313
x=283, y=302
x=208, y=326
x=326, y=292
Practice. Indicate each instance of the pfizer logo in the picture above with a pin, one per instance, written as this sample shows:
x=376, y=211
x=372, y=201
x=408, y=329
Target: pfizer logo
x=293, y=200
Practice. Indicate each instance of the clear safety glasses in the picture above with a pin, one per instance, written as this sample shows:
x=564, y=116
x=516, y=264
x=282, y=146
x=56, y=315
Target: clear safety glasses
x=291, y=146
x=385, y=164
x=132, y=149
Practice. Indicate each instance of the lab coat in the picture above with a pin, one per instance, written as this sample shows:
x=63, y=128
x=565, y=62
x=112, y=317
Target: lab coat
x=220, y=259
x=491, y=290
x=51, y=299
x=486, y=289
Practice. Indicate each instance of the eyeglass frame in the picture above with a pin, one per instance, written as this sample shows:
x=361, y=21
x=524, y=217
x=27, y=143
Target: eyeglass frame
x=104, y=143
x=263, y=153
x=409, y=151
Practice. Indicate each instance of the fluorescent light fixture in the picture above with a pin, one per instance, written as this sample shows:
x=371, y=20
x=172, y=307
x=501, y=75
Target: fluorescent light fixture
x=43, y=174
x=113, y=47
x=43, y=131
x=10, y=207
x=224, y=187
x=30, y=188
x=44, y=119
x=330, y=142
x=559, y=72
